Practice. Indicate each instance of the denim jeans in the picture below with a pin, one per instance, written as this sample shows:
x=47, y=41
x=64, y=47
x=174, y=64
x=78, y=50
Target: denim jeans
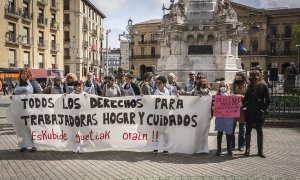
x=241, y=136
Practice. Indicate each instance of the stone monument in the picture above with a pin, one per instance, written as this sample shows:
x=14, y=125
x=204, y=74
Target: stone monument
x=200, y=35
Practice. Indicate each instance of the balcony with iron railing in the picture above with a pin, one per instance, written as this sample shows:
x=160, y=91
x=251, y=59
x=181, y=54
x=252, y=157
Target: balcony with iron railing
x=94, y=32
x=268, y=53
x=85, y=44
x=152, y=42
x=12, y=38
x=273, y=36
x=54, y=47
x=12, y=11
x=94, y=47
x=54, y=5
x=85, y=27
x=143, y=42
x=286, y=36
x=42, y=2
x=42, y=44
x=26, y=15
x=26, y=41
x=54, y=25
x=42, y=21
x=144, y=57
x=67, y=56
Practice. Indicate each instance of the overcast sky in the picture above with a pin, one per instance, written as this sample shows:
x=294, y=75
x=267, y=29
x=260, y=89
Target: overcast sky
x=119, y=11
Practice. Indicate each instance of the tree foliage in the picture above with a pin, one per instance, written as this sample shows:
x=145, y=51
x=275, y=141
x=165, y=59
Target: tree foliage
x=295, y=35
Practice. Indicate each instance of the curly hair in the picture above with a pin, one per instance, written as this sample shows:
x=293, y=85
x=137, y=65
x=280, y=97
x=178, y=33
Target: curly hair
x=26, y=71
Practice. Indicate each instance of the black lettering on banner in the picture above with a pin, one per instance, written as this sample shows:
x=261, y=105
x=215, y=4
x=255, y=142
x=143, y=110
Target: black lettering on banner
x=157, y=100
x=25, y=119
x=141, y=115
x=148, y=119
x=24, y=103
x=47, y=119
x=113, y=104
x=194, y=121
x=82, y=119
x=172, y=120
x=106, y=103
x=61, y=116
x=93, y=102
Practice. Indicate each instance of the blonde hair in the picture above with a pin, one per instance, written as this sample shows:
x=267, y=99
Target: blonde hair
x=72, y=75
x=226, y=85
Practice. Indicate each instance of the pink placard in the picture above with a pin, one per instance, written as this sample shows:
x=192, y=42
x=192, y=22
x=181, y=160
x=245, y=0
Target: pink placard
x=227, y=106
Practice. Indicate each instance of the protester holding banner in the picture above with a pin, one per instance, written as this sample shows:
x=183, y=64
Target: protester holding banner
x=172, y=85
x=256, y=103
x=163, y=91
x=69, y=84
x=55, y=88
x=78, y=88
x=146, y=86
x=224, y=124
x=202, y=87
x=27, y=85
x=111, y=89
x=239, y=88
x=90, y=86
x=129, y=87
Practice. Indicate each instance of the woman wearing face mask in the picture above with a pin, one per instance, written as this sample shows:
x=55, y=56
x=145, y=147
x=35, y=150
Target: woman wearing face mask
x=111, y=89
x=239, y=88
x=224, y=124
x=202, y=88
x=55, y=88
x=256, y=103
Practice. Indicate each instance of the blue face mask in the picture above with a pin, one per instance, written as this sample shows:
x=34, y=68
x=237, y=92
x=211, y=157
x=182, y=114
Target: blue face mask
x=223, y=89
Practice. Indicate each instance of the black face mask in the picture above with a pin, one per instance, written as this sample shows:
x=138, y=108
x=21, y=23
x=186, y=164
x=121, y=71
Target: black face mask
x=251, y=79
x=238, y=81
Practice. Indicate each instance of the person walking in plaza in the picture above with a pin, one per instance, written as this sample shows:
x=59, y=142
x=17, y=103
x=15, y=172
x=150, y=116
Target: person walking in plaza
x=190, y=83
x=239, y=88
x=162, y=91
x=5, y=88
x=224, y=124
x=27, y=85
x=111, y=89
x=130, y=88
x=172, y=85
x=55, y=88
x=90, y=86
x=68, y=86
x=256, y=103
x=146, y=86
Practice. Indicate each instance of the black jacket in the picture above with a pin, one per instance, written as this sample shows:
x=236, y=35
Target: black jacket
x=256, y=103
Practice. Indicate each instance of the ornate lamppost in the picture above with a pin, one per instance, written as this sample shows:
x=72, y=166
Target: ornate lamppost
x=130, y=38
x=253, y=28
x=107, y=32
x=74, y=49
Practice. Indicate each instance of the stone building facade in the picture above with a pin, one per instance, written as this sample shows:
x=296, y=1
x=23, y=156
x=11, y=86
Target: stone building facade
x=273, y=43
x=83, y=38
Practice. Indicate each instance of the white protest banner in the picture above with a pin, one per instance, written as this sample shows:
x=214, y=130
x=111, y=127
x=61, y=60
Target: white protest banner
x=176, y=124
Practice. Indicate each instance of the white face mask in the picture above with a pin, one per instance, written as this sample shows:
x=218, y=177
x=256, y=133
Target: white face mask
x=204, y=90
x=223, y=89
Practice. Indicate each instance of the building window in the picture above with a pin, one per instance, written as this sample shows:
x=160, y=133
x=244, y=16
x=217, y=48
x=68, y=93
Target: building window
x=67, y=36
x=254, y=45
x=53, y=62
x=53, y=42
x=41, y=61
x=273, y=30
x=41, y=37
x=273, y=48
x=67, y=69
x=66, y=18
x=153, y=52
x=25, y=12
x=12, y=57
x=66, y=4
x=287, y=48
x=83, y=8
x=53, y=18
x=26, y=59
x=11, y=34
x=67, y=53
x=25, y=37
x=288, y=31
x=142, y=51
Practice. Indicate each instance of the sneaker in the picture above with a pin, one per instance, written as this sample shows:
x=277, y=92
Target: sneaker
x=155, y=151
x=33, y=149
x=241, y=149
x=247, y=152
x=229, y=154
x=165, y=152
x=23, y=149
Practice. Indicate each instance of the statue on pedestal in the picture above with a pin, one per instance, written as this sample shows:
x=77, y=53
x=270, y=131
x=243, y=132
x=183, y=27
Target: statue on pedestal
x=225, y=10
x=289, y=78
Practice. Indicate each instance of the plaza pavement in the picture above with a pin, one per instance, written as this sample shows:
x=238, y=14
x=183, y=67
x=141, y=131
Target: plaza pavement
x=282, y=147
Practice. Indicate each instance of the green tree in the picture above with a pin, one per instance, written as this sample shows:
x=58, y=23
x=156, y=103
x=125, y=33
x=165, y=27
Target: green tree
x=295, y=35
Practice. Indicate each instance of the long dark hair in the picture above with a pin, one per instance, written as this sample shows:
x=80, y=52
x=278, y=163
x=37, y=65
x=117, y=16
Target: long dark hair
x=257, y=80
